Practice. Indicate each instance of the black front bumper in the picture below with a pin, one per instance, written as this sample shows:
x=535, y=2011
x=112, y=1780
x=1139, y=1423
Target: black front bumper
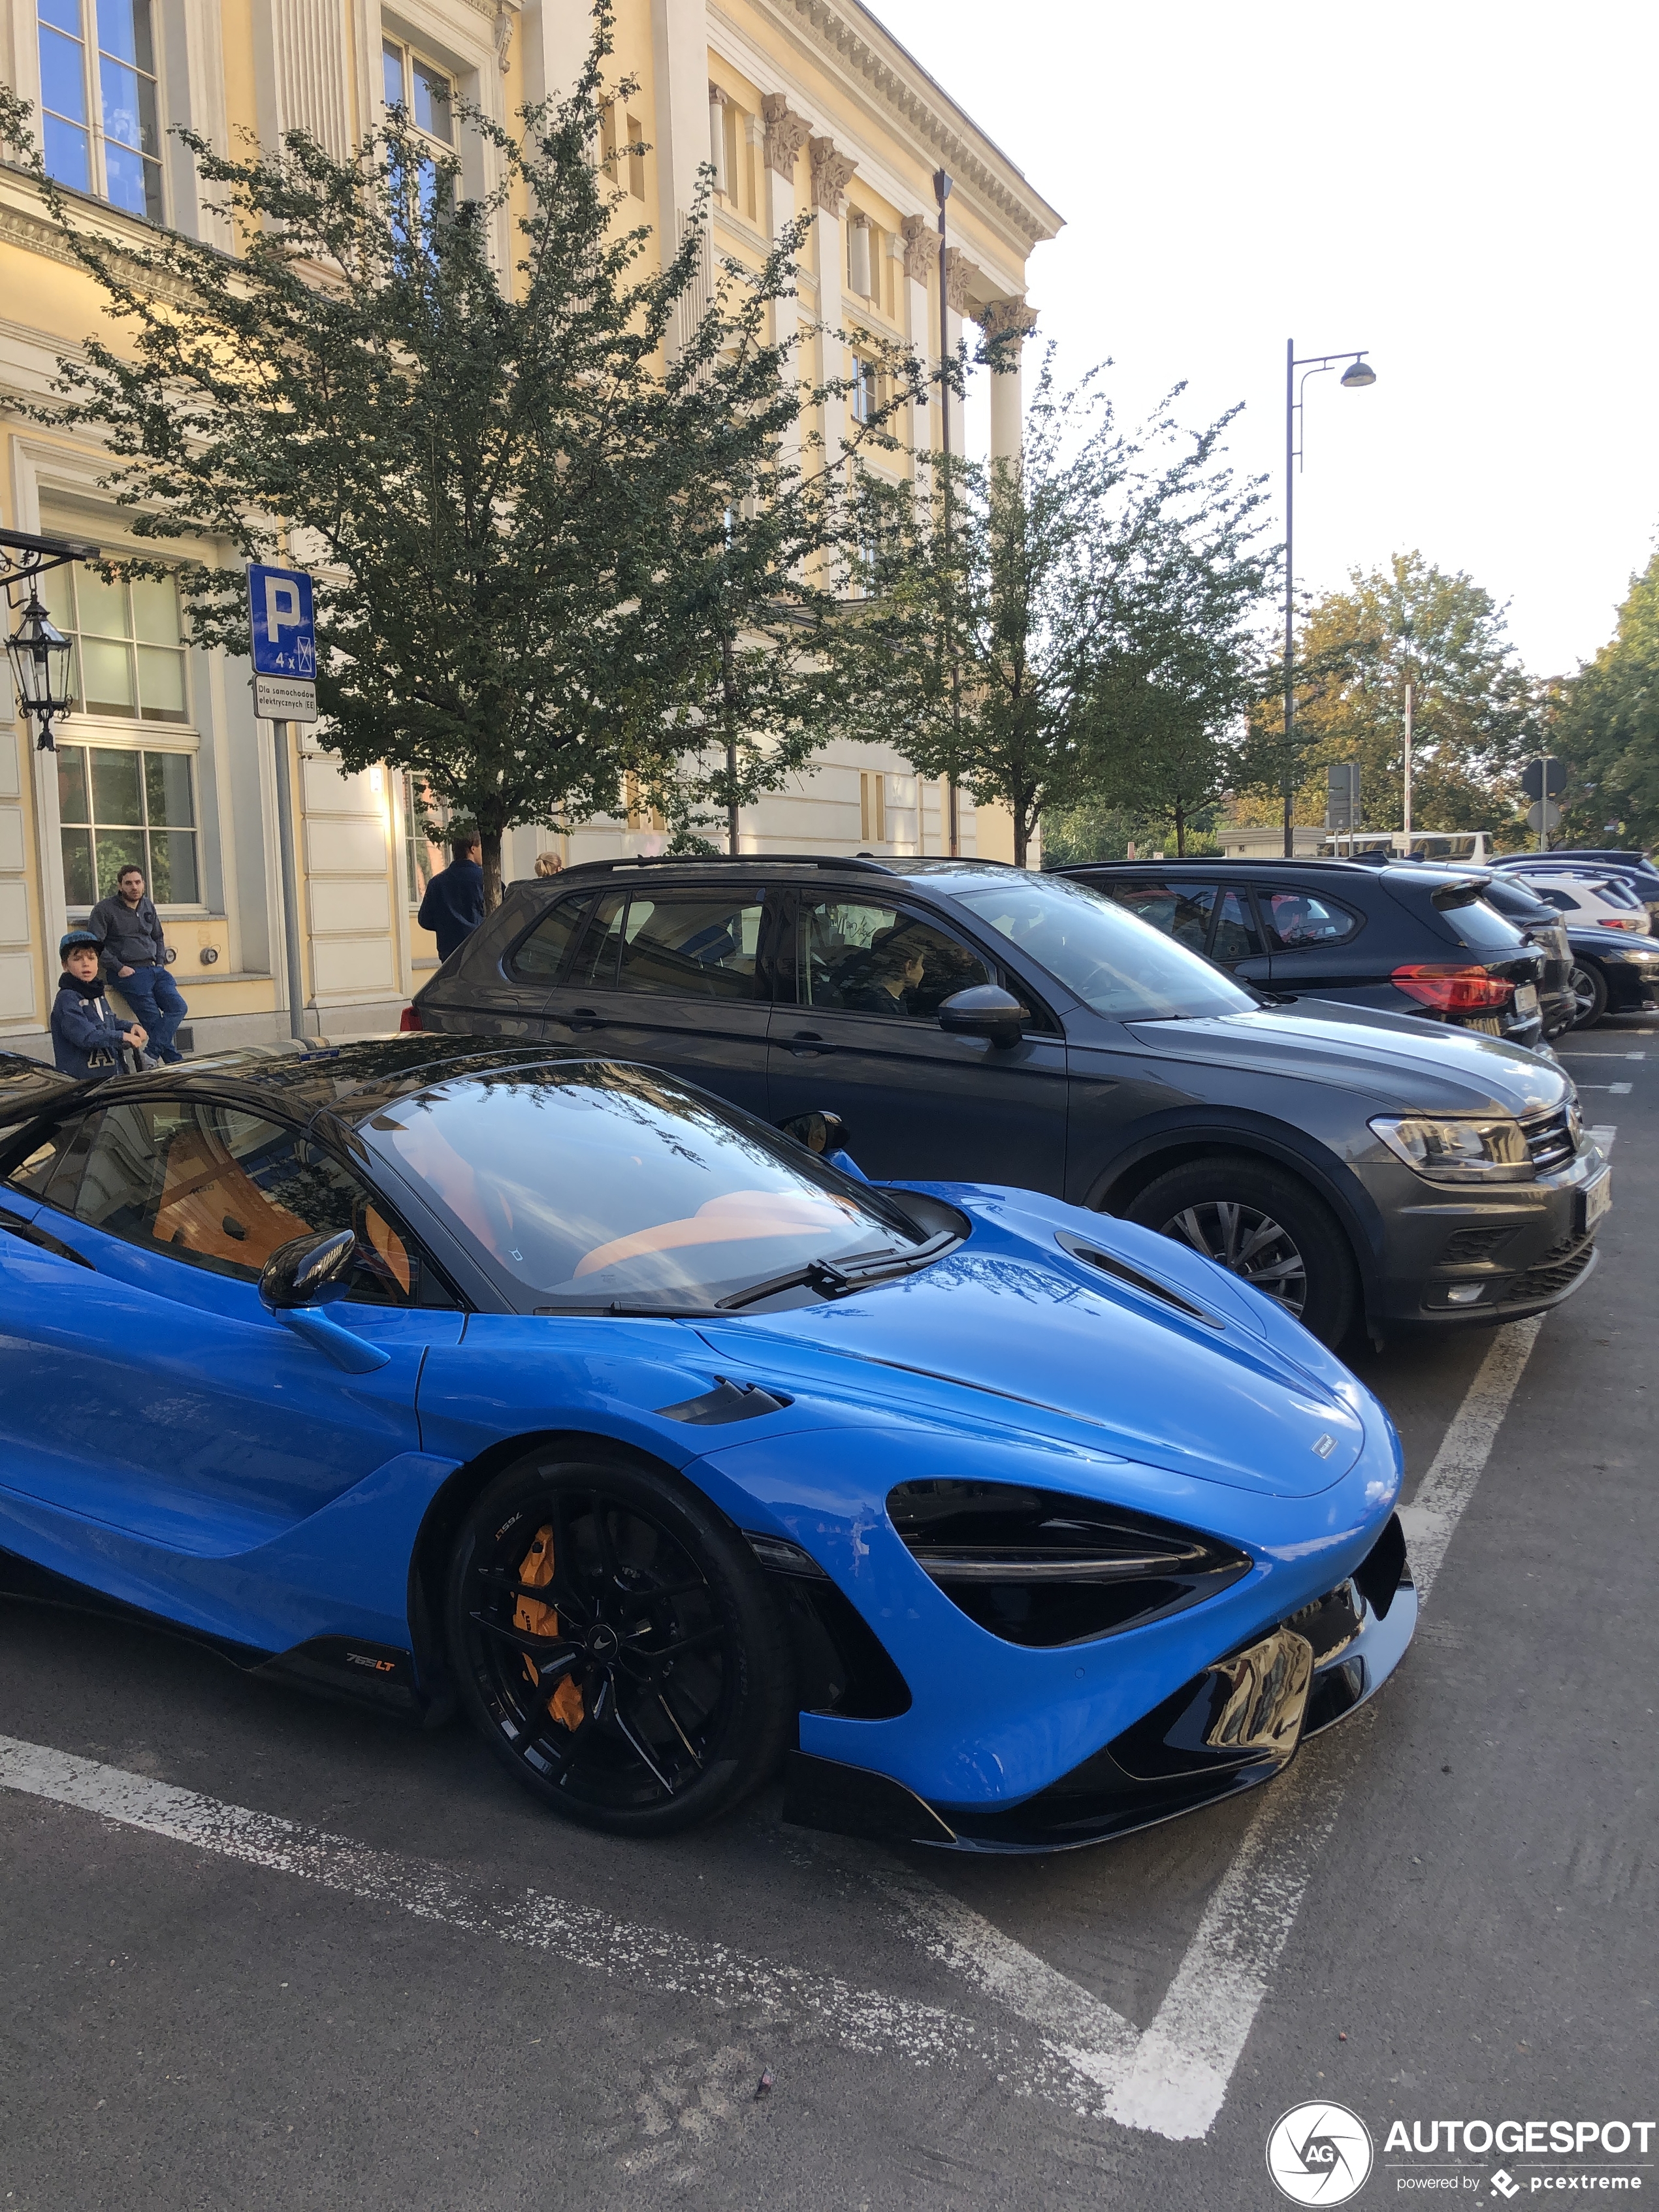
x=1238, y=1723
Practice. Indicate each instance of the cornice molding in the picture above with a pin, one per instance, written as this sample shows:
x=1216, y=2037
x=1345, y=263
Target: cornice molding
x=860, y=44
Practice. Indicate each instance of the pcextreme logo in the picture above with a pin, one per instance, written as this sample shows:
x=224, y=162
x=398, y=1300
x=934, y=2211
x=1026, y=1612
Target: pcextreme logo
x=1319, y=2154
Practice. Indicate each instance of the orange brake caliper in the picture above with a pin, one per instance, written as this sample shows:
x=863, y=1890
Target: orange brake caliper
x=539, y=1620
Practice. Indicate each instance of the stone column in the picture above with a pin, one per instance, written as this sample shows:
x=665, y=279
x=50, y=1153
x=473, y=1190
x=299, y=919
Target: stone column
x=1008, y=321
x=786, y=134
x=832, y=171
x=679, y=128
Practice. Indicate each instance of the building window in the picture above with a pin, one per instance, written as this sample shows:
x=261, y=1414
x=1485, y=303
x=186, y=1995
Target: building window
x=99, y=114
x=129, y=658
x=117, y=808
x=872, y=807
x=426, y=94
x=863, y=396
x=425, y=820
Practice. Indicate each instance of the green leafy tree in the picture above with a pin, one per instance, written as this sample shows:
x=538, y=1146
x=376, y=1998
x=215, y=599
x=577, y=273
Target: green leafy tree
x=1071, y=628
x=1475, y=708
x=540, y=500
x=1606, y=727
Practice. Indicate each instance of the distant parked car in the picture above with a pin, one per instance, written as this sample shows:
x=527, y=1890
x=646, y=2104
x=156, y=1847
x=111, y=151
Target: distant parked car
x=1407, y=938
x=1635, y=869
x=1613, y=973
x=1590, y=900
x=1543, y=926
x=977, y=1024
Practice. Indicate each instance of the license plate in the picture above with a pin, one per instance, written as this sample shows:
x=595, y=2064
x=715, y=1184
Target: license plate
x=1526, y=999
x=1593, y=1201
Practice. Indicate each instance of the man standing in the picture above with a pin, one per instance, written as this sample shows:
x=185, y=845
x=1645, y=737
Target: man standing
x=136, y=957
x=454, y=905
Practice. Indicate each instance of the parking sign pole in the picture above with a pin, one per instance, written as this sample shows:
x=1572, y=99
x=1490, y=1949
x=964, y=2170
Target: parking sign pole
x=296, y=1003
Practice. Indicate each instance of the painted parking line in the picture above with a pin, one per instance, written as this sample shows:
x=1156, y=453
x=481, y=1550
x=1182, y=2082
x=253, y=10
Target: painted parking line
x=1603, y=1138
x=1616, y=1090
x=1169, y=2079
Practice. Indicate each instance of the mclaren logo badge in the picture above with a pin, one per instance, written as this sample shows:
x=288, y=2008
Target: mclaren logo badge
x=1326, y=1446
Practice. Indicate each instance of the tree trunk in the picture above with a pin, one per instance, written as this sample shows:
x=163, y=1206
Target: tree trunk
x=1022, y=836
x=1181, y=831
x=490, y=844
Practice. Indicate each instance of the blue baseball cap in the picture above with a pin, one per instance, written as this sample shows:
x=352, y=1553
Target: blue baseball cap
x=73, y=941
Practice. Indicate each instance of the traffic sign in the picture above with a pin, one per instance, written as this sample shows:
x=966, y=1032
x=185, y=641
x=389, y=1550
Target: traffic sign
x=1547, y=774
x=284, y=643
x=1544, y=814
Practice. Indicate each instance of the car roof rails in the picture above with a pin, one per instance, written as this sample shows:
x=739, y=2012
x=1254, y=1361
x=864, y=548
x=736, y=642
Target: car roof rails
x=862, y=863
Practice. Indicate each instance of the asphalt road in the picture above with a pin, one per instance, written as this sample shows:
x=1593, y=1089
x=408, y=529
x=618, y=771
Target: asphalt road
x=425, y=1993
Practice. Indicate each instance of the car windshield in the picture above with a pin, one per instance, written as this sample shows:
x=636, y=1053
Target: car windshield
x=597, y=1184
x=1115, y=963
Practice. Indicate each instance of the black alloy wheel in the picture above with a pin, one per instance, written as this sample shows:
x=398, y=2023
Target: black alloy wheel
x=617, y=1645
x=1589, y=993
x=1264, y=1226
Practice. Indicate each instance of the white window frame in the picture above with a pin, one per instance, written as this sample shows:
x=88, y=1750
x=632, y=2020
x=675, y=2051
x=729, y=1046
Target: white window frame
x=92, y=91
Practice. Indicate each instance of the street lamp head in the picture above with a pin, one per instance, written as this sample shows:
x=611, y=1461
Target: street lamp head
x=39, y=655
x=1358, y=375
x=942, y=181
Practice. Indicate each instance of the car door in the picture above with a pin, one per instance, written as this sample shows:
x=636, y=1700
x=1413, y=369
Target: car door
x=1215, y=919
x=862, y=1040
x=145, y=1386
x=677, y=975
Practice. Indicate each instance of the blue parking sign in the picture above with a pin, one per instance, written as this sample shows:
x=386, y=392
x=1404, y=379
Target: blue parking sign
x=284, y=637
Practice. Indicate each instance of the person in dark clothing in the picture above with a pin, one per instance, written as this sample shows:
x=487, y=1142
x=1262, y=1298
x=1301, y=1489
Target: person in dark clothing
x=86, y=1038
x=454, y=905
x=136, y=957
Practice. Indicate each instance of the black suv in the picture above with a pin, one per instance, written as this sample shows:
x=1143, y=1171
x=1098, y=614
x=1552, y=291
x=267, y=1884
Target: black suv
x=977, y=1024
x=1407, y=940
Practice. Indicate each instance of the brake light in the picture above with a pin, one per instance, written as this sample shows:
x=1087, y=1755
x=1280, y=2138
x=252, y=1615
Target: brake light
x=1617, y=922
x=411, y=1023
x=1454, y=990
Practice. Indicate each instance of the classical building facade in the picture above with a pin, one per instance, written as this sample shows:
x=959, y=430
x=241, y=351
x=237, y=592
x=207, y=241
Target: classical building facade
x=804, y=107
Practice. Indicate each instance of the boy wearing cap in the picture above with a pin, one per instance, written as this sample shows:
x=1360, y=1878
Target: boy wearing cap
x=87, y=1039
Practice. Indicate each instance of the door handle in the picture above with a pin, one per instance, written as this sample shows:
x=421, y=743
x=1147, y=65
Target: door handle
x=807, y=1044
x=585, y=1017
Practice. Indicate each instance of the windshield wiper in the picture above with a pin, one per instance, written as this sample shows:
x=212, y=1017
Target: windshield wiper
x=836, y=1278
x=635, y=1310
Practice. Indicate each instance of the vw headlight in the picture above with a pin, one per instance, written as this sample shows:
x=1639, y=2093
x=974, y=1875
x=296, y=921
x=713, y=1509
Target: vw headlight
x=1458, y=1152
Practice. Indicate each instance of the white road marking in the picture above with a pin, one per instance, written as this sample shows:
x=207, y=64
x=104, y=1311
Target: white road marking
x=861, y=2020
x=1603, y=1138
x=1619, y=1089
x=1169, y=2079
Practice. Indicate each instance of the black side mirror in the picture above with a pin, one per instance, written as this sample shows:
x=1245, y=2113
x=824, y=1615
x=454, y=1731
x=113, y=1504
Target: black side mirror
x=819, y=1133
x=302, y=1272
x=985, y=1010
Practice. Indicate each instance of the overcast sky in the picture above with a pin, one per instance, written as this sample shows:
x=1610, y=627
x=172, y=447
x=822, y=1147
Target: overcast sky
x=1468, y=189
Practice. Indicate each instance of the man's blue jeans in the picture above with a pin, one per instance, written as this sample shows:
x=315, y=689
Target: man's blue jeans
x=159, y=1004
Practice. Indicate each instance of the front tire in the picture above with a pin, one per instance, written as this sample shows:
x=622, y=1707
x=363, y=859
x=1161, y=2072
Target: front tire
x=1589, y=991
x=617, y=1645
x=1264, y=1226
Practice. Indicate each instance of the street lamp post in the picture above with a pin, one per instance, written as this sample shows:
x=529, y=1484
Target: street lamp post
x=942, y=185
x=38, y=652
x=1358, y=374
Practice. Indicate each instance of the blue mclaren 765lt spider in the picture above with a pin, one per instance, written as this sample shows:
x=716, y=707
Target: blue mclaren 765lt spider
x=671, y=1449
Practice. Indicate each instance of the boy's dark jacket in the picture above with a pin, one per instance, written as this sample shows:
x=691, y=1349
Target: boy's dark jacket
x=85, y=1037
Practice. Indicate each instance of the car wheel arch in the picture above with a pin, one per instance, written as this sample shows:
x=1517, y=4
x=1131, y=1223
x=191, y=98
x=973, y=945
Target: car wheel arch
x=1118, y=1185
x=448, y=1508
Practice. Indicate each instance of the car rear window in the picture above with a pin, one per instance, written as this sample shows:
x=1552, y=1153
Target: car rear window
x=1477, y=926
x=539, y=958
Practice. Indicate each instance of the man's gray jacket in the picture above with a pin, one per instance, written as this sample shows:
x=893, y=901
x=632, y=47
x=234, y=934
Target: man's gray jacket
x=132, y=934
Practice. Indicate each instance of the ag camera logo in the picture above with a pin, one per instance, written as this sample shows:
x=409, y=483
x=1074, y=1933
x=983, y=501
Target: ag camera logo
x=1319, y=2154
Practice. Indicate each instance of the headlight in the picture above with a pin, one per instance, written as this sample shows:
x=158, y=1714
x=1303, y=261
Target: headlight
x=1041, y=1567
x=1458, y=1152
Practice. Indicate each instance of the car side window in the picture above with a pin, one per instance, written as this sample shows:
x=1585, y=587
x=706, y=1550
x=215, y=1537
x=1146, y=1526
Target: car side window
x=540, y=956
x=1305, y=922
x=1181, y=910
x=1557, y=899
x=690, y=944
x=221, y=1188
x=1237, y=937
x=868, y=957
x=51, y=1170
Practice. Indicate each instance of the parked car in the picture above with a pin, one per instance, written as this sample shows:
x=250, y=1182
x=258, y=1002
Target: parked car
x=1635, y=870
x=981, y=1024
x=549, y=1385
x=1613, y=973
x=1591, y=900
x=1544, y=927
x=25, y=1084
x=1406, y=938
